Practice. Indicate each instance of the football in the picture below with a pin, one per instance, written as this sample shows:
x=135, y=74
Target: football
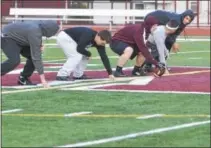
x=158, y=71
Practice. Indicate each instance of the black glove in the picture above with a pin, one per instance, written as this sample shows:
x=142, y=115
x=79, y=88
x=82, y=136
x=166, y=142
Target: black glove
x=160, y=69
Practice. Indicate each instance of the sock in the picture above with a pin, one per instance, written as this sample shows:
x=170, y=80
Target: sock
x=118, y=68
x=142, y=66
x=149, y=65
x=23, y=76
x=136, y=68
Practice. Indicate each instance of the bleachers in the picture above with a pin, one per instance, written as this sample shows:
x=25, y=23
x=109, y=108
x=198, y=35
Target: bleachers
x=63, y=15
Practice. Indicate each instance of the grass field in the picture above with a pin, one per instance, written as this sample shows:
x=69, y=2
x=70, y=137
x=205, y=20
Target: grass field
x=181, y=120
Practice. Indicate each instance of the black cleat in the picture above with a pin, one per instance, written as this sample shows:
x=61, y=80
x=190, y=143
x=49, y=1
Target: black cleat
x=119, y=74
x=63, y=78
x=148, y=68
x=83, y=77
x=24, y=81
x=140, y=72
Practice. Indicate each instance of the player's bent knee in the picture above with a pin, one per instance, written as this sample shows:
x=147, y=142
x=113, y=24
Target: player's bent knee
x=128, y=51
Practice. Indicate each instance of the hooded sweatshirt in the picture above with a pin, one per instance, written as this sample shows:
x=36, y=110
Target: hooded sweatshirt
x=161, y=17
x=30, y=33
x=133, y=35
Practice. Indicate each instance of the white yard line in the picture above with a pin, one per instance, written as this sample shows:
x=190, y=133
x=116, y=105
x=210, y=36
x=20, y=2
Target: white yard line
x=192, y=40
x=195, y=58
x=134, y=135
x=92, y=86
x=187, y=52
x=150, y=91
x=190, y=66
x=76, y=114
x=11, y=111
x=150, y=116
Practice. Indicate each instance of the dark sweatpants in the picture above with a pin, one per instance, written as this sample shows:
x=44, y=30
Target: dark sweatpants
x=13, y=51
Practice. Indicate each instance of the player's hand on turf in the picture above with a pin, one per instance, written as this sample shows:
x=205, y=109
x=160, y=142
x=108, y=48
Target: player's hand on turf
x=111, y=77
x=175, y=47
x=43, y=81
x=159, y=69
x=45, y=85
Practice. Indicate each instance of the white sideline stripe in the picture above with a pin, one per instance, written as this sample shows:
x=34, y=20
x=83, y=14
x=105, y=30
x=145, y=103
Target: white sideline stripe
x=195, y=58
x=184, y=52
x=150, y=116
x=188, y=40
x=149, y=91
x=75, y=114
x=133, y=135
x=92, y=86
x=11, y=111
x=189, y=66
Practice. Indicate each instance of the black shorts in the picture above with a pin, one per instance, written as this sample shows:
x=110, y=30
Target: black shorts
x=119, y=47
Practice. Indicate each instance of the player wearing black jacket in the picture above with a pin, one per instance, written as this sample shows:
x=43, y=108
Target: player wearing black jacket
x=75, y=43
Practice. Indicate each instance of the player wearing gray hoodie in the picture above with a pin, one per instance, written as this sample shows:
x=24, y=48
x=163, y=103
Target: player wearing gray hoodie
x=25, y=38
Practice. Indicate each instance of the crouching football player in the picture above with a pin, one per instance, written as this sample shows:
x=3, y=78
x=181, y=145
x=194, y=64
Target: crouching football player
x=75, y=43
x=129, y=43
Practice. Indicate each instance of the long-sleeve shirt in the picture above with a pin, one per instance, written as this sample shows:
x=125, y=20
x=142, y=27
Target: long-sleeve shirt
x=133, y=35
x=158, y=37
x=30, y=33
x=84, y=37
